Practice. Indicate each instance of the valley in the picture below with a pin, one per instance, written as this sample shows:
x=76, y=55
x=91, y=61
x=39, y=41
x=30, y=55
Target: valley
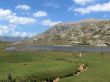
x=54, y=40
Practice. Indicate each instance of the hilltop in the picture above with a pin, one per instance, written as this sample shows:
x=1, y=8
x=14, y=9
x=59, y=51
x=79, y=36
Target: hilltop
x=86, y=32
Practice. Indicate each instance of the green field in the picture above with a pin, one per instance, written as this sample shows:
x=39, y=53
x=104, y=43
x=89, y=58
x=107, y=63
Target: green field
x=28, y=66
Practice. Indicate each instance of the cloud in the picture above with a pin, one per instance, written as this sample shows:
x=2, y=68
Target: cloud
x=51, y=4
x=6, y=14
x=50, y=23
x=11, y=17
x=22, y=34
x=82, y=2
x=5, y=29
x=11, y=29
x=11, y=23
x=21, y=20
x=23, y=7
x=40, y=14
x=104, y=7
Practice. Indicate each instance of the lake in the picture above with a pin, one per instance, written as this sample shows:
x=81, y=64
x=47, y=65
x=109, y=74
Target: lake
x=63, y=48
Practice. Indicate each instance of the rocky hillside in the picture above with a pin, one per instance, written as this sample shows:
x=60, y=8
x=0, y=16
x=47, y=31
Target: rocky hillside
x=87, y=32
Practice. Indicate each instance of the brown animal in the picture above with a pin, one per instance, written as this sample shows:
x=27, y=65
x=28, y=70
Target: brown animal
x=44, y=81
x=81, y=67
x=56, y=80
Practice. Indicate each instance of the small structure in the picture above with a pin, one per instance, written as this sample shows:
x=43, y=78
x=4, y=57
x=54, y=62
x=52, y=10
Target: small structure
x=80, y=55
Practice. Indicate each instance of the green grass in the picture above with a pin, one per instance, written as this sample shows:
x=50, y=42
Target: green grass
x=98, y=71
x=27, y=63
x=48, y=65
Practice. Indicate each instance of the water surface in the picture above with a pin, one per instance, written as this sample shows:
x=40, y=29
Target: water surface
x=64, y=48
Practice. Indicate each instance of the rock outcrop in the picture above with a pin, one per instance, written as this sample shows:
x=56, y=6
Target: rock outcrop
x=87, y=32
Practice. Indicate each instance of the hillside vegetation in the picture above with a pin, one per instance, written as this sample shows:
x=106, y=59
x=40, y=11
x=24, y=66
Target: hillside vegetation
x=87, y=32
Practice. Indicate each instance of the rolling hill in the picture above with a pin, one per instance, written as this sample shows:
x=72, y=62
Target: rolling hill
x=86, y=32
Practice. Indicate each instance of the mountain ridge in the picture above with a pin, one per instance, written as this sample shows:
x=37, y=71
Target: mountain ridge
x=86, y=32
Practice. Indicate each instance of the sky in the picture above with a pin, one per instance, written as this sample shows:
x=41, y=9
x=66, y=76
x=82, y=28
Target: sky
x=27, y=18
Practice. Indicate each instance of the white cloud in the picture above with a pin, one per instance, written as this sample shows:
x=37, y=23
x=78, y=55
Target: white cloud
x=22, y=34
x=11, y=17
x=104, y=7
x=6, y=14
x=82, y=2
x=4, y=29
x=50, y=23
x=23, y=7
x=21, y=20
x=12, y=21
x=11, y=29
x=40, y=14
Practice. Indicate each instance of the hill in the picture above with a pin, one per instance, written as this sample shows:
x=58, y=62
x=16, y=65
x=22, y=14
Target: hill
x=86, y=32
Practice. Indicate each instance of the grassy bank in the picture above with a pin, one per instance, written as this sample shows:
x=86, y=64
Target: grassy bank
x=49, y=65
